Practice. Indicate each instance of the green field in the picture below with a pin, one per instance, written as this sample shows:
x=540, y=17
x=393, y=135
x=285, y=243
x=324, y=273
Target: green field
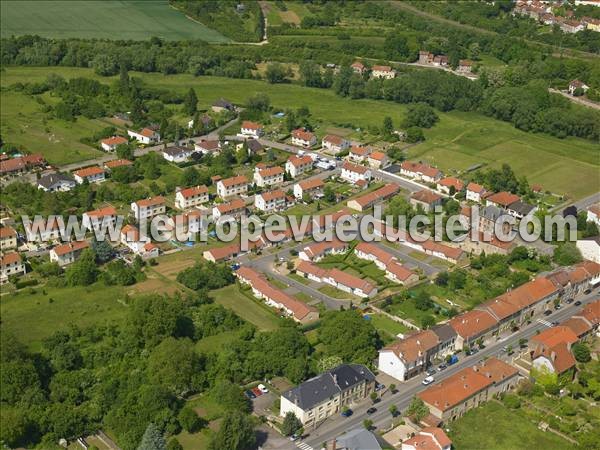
x=123, y=20
x=32, y=317
x=387, y=326
x=511, y=430
x=457, y=142
x=248, y=309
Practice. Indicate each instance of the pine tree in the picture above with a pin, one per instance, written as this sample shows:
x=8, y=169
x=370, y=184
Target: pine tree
x=152, y=439
x=190, y=102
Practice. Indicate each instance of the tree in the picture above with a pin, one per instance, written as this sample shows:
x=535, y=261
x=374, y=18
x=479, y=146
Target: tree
x=189, y=420
x=414, y=135
x=152, y=439
x=396, y=46
x=417, y=409
x=420, y=115
x=175, y=365
x=367, y=423
x=236, y=433
x=427, y=321
x=276, y=73
x=125, y=151
x=392, y=388
x=581, y=352
x=102, y=249
x=373, y=396
x=329, y=194
x=393, y=409
x=566, y=254
x=388, y=126
x=174, y=445
x=190, y=102
x=290, y=424
x=83, y=272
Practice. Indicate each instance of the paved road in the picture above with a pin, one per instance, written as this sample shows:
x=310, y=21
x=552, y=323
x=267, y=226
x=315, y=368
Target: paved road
x=337, y=425
x=402, y=253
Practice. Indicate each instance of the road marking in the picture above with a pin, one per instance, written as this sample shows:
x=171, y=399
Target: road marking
x=544, y=322
x=303, y=446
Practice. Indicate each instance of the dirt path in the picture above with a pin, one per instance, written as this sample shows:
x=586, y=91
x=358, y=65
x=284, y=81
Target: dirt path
x=578, y=100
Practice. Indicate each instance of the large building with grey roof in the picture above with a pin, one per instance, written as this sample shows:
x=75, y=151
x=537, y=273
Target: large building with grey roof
x=327, y=393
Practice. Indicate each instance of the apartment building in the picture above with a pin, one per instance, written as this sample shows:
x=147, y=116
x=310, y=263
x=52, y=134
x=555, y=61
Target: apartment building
x=298, y=165
x=191, y=197
x=229, y=187
x=149, y=207
x=269, y=176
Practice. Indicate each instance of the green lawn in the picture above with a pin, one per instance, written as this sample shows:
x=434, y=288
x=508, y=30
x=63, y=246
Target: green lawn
x=388, y=326
x=216, y=343
x=32, y=317
x=494, y=427
x=406, y=309
x=127, y=20
x=245, y=307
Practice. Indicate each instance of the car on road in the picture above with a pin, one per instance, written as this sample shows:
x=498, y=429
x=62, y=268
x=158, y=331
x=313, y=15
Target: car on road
x=263, y=388
x=428, y=380
x=431, y=371
x=577, y=303
x=569, y=300
x=347, y=413
x=555, y=323
x=557, y=306
x=547, y=312
x=587, y=291
x=442, y=367
x=379, y=386
x=371, y=410
x=294, y=437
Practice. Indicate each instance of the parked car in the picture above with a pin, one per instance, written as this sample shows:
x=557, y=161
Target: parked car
x=347, y=413
x=431, y=372
x=555, y=323
x=249, y=394
x=428, y=380
x=371, y=410
x=262, y=388
x=557, y=306
x=547, y=312
x=379, y=386
x=442, y=367
x=577, y=303
x=257, y=392
x=569, y=300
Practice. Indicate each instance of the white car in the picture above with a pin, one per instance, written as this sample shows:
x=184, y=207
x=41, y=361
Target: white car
x=262, y=388
x=426, y=381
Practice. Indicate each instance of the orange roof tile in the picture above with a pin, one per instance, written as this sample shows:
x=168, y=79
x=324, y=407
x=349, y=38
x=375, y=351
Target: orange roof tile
x=10, y=258
x=193, y=191
x=414, y=346
x=152, y=201
x=503, y=198
x=233, y=181
x=69, y=247
x=88, y=172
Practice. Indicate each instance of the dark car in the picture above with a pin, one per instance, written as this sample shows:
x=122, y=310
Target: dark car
x=547, y=312
x=431, y=371
x=557, y=307
x=371, y=410
x=577, y=303
x=587, y=291
x=249, y=394
x=347, y=413
x=442, y=367
x=569, y=300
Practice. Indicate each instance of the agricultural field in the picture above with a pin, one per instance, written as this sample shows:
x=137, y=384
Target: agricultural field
x=123, y=20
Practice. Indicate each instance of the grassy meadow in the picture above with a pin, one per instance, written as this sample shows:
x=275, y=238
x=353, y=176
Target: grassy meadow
x=123, y=20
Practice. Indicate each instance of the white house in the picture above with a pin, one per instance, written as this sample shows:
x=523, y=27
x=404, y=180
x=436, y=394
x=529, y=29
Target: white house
x=8, y=238
x=131, y=238
x=270, y=201
x=428, y=438
x=145, y=136
x=208, y=146
x=11, y=264
x=56, y=182
x=475, y=192
x=148, y=207
x=93, y=220
x=232, y=209
x=354, y=172
x=297, y=165
x=110, y=144
x=593, y=214
x=303, y=138
x=590, y=248
x=90, y=174
x=576, y=84
x=270, y=176
x=445, y=185
x=65, y=254
x=334, y=144
x=464, y=66
x=191, y=197
x=383, y=72
x=252, y=129
x=177, y=154
x=232, y=186
x=420, y=171
x=377, y=160
x=358, y=154
x=313, y=188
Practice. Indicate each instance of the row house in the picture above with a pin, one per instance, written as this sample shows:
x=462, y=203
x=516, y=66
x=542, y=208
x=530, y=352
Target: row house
x=56, y=182
x=450, y=185
x=11, y=265
x=90, y=174
x=276, y=298
x=138, y=244
x=366, y=201
x=303, y=138
x=334, y=144
x=451, y=398
x=385, y=72
x=298, y=165
x=208, y=146
x=271, y=201
x=420, y=171
x=145, y=136
x=229, y=187
x=269, y=176
x=338, y=279
x=67, y=253
x=229, y=211
x=110, y=144
x=8, y=238
x=99, y=218
x=191, y=197
x=21, y=164
x=354, y=173
x=251, y=129
x=177, y=154
x=312, y=188
x=573, y=281
x=328, y=393
x=473, y=326
x=550, y=350
x=149, y=207
x=319, y=250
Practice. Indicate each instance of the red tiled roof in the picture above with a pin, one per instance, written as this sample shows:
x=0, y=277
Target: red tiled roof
x=233, y=205
x=299, y=133
x=318, y=248
x=592, y=312
x=131, y=233
x=503, y=198
x=423, y=169
x=115, y=140
x=147, y=132
x=472, y=323
x=414, y=346
x=577, y=325
x=10, y=258
x=208, y=145
x=248, y=125
x=376, y=251
x=117, y=163
x=220, y=253
x=426, y=196
x=271, y=171
x=152, y=201
x=382, y=68
x=429, y=438
x=272, y=195
x=333, y=139
x=298, y=161
x=102, y=212
x=354, y=167
x=474, y=187
x=193, y=191
x=451, y=181
x=401, y=272
x=233, y=181
x=7, y=232
x=559, y=355
x=350, y=280
x=379, y=194
x=88, y=172
x=310, y=268
x=361, y=150
x=555, y=335
x=311, y=184
x=69, y=247
x=378, y=156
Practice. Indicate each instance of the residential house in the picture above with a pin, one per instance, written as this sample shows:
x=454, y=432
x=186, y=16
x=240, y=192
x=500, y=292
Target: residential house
x=11, y=265
x=138, y=244
x=230, y=210
x=420, y=171
x=440, y=61
x=268, y=177
x=312, y=188
x=254, y=147
x=429, y=438
x=397, y=273
x=575, y=280
x=90, y=174
x=229, y=187
x=472, y=326
x=110, y=144
x=378, y=160
x=334, y=144
x=353, y=173
x=366, y=201
x=328, y=393
x=383, y=72
x=520, y=209
x=450, y=185
x=222, y=105
x=502, y=199
x=475, y=192
x=451, y=398
x=576, y=84
x=426, y=199
x=464, y=66
x=569, y=25
x=488, y=217
x=115, y=163
x=206, y=147
x=442, y=251
x=550, y=350
x=145, y=136
x=318, y=250
x=590, y=248
x=298, y=165
x=358, y=67
x=303, y=138
x=21, y=164
x=425, y=57
x=593, y=214
x=99, y=218
x=8, y=238
x=359, y=154
x=591, y=23
x=405, y=358
x=486, y=243
x=191, y=197
x=251, y=129
x=270, y=201
x=149, y=207
x=357, y=439
x=65, y=254
x=350, y=283
x=276, y=298
x=219, y=254
x=177, y=154
x=56, y=182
